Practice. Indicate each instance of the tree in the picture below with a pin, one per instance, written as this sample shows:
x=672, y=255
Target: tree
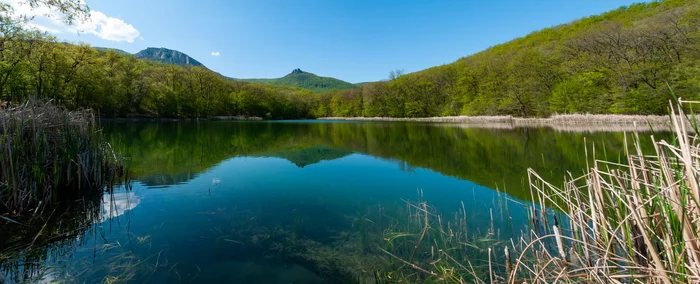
x=12, y=25
x=395, y=74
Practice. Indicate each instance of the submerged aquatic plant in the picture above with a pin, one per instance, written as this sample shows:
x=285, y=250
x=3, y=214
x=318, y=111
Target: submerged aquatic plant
x=50, y=154
x=362, y=222
x=425, y=246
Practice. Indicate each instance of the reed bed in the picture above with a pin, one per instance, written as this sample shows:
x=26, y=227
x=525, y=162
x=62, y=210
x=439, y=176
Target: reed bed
x=560, y=122
x=636, y=221
x=571, y=128
x=49, y=154
x=506, y=119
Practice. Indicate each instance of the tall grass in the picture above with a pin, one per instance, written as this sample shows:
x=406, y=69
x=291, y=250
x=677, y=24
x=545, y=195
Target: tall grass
x=49, y=154
x=637, y=221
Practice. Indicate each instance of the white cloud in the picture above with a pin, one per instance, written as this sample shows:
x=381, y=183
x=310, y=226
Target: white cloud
x=215, y=53
x=98, y=24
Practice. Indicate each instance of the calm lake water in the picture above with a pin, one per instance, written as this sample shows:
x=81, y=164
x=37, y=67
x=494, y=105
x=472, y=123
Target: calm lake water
x=294, y=201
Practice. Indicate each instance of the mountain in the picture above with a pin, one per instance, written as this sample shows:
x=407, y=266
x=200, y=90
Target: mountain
x=297, y=78
x=307, y=81
x=168, y=56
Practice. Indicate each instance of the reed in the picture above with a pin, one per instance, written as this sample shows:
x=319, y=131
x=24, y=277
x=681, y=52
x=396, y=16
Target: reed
x=557, y=119
x=621, y=222
x=625, y=222
x=49, y=154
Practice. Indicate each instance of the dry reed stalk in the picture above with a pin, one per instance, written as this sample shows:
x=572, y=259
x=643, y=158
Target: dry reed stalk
x=559, y=122
x=49, y=154
x=490, y=268
x=509, y=264
x=638, y=220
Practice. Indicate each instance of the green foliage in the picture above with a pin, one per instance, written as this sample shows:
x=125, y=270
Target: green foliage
x=105, y=49
x=617, y=62
x=113, y=84
x=584, y=93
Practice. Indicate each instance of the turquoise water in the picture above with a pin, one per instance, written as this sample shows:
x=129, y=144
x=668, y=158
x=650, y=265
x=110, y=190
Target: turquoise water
x=296, y=202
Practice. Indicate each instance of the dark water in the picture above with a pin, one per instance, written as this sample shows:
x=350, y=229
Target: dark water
x=289, y=202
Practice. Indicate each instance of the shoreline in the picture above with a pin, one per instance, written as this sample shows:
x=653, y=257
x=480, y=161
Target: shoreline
x=565, y=122
x=174, y=119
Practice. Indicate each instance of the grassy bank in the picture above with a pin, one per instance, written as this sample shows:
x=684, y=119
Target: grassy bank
x=49, y=154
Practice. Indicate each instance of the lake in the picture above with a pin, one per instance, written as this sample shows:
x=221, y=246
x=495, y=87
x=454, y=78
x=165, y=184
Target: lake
x=299, y=201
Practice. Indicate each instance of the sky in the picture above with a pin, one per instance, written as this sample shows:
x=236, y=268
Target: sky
x=355, y=41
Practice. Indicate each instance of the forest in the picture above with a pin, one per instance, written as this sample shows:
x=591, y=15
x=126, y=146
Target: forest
x=620, y=62
x=35, y=65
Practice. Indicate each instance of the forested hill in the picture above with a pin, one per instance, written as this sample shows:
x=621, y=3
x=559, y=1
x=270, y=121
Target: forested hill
x=115, y=84
x=306, y=80
x=617, y=62
x=297, y=78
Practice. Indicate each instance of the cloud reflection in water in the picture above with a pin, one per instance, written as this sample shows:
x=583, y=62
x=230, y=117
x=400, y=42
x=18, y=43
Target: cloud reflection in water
x=115, y=205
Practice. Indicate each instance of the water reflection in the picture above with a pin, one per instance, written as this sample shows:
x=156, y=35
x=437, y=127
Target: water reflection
x=117, y=204
x=282, y=202
x=27, y=247
x=308, y=156
x=171, y=153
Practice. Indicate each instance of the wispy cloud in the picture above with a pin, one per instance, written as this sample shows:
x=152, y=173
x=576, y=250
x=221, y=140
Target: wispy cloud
x=99, y=24
x=215, y=53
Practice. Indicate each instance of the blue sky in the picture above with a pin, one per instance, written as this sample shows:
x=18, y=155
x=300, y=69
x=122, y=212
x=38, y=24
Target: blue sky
x=355, y=41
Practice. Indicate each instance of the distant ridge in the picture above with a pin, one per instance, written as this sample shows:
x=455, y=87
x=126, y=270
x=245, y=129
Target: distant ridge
x=297, y=78
x=301, y=79
x=119, y=51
